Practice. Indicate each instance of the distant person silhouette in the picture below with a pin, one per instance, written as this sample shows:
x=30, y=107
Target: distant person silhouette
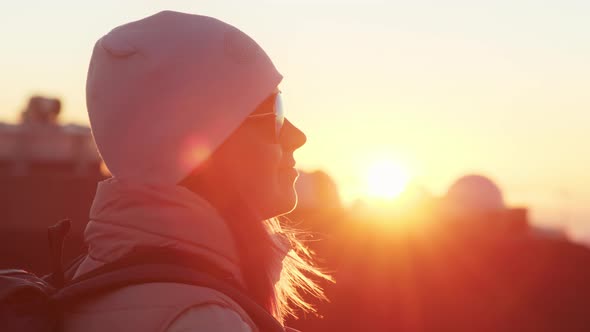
x=187, y=115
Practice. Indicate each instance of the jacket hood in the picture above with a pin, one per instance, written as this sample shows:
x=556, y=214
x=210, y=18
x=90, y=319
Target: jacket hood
x=165, y=91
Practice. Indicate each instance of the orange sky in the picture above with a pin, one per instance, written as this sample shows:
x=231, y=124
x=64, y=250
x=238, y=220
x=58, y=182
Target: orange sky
x=442, y=89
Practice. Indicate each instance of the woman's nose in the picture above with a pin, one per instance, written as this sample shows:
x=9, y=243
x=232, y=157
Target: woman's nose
x=291, y=137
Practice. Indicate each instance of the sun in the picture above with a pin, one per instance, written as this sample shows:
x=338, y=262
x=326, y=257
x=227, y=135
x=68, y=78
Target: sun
x=386, y=179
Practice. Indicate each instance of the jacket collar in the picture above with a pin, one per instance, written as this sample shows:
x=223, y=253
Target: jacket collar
x=126, y=215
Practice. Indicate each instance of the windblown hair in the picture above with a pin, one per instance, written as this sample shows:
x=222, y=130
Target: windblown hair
x=298, y=274
x=277, y=267
x=268, y=247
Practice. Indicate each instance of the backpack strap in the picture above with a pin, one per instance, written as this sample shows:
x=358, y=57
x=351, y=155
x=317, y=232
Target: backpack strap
x=150, y=256
x=164, y=265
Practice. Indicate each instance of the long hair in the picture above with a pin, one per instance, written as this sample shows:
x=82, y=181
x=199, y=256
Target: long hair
x=298, y=275
x=278, y=268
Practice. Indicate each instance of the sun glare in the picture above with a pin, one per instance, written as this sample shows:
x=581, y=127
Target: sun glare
x=386, y=179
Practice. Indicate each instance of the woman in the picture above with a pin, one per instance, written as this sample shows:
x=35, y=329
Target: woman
x=187, y=115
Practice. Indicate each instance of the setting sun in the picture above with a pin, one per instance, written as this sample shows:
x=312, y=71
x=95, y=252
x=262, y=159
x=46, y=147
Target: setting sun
x=386, y=179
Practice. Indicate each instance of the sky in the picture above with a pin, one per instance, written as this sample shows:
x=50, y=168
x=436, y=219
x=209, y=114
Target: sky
x=441, y=88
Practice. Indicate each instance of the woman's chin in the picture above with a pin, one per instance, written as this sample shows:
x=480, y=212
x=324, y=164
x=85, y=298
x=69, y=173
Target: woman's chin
x=285, y=202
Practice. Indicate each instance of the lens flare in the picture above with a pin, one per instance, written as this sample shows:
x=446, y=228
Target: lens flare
x=196, y=151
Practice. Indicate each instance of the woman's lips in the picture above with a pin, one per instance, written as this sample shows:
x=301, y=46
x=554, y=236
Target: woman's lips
x=288, y=166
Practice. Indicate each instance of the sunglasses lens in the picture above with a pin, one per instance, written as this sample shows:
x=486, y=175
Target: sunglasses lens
x=280, y=115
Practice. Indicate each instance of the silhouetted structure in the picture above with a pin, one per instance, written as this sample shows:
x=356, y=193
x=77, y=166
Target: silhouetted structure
x=30, y=204
x=41, y=145
x=48, y=172
x=476, y=266
x=316, y=191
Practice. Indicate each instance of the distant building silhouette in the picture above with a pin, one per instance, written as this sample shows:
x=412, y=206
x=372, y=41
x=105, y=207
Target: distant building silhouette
x=41, y=145
x=474, y=194
x=476, y=266
x=475, y=202
x=317, y=191
x=48, y=172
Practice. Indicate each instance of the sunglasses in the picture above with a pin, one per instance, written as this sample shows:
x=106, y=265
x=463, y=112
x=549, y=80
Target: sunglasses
x=277, y=111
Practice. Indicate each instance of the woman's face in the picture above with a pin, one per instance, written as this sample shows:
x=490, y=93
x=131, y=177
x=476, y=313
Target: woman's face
x=257, y=165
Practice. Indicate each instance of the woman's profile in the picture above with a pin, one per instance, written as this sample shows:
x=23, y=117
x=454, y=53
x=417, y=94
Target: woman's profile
x=187, y=115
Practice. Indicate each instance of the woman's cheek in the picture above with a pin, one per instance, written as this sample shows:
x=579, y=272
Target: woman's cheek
x=259, y=164
x=267, y=157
